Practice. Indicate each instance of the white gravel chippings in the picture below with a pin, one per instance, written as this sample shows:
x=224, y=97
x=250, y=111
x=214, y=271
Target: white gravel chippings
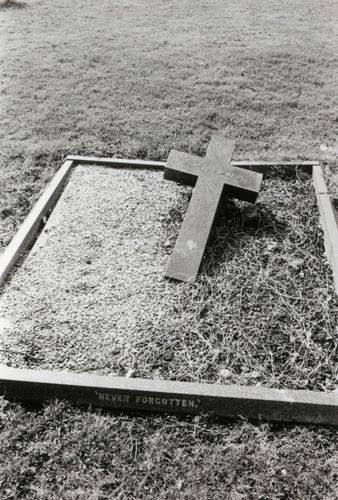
x=93, y=285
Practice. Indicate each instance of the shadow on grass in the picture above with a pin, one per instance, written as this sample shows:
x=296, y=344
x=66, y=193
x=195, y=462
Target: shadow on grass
x=230, y=230
x=12, y=4
x=206, y=420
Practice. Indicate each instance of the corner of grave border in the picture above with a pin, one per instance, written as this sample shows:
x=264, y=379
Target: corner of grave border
x=28, y=230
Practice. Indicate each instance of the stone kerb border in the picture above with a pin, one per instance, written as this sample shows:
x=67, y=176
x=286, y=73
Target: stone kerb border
x=157, y=395
x=168, y=396
x=327, y=219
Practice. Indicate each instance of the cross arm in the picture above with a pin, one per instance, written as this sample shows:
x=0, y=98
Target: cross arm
x=183, y=168
x=242, y=184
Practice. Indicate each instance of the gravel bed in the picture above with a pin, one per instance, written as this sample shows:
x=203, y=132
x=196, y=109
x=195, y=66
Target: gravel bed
x=91, y=296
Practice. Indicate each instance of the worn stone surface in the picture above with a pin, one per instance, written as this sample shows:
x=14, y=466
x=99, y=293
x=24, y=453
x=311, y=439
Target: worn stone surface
x=212, y=177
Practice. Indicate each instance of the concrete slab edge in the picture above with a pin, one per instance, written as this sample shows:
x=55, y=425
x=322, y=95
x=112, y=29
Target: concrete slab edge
x=260, y=166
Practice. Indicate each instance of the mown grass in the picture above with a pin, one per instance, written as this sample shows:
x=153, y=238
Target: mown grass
x=62, y=452
x=136, y=79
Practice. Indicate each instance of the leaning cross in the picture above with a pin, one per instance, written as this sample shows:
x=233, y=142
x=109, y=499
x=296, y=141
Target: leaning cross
x=211, y=176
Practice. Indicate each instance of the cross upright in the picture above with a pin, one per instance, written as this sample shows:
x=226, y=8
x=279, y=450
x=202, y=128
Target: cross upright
x=211, y=177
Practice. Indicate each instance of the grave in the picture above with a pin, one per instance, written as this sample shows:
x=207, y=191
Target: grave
x=211, y=178
x=50, y=345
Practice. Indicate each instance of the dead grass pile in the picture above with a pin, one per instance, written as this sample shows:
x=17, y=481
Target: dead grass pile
x=263, y=310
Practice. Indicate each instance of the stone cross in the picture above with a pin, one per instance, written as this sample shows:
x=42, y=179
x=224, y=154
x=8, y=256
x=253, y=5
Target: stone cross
x=212, y=176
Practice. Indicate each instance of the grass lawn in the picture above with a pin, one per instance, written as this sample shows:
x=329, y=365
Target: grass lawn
x=136, y=79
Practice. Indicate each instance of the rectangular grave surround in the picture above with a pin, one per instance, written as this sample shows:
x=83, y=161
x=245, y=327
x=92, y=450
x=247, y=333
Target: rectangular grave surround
x=64, y=276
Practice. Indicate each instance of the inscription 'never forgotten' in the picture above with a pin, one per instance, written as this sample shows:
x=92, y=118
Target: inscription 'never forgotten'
x=211, y=177
x=138, y=401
